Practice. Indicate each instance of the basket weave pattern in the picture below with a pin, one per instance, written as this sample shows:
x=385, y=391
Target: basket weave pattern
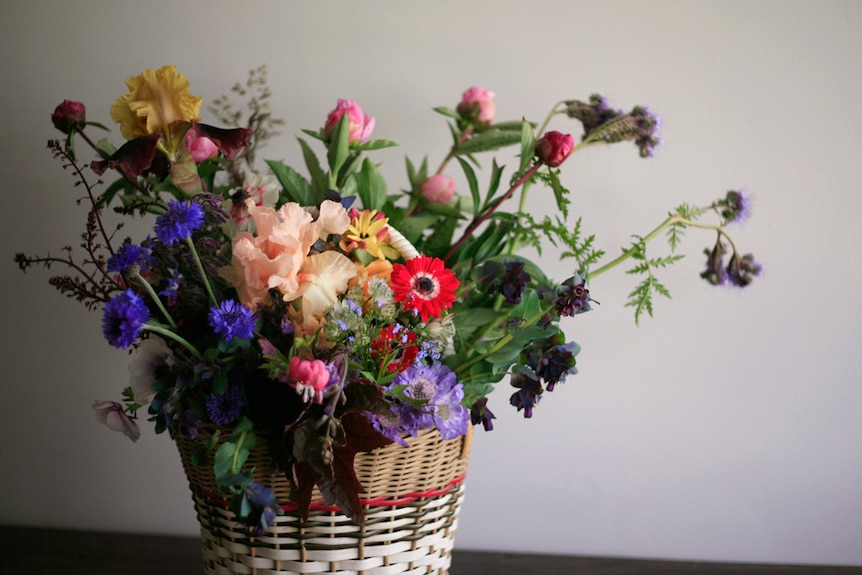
x=411, y=500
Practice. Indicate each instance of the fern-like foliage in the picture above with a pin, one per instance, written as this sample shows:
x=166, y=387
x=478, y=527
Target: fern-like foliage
x=641, y=298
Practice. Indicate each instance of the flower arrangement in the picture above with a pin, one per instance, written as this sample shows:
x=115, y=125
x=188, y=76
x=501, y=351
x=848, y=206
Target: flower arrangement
x=324, y=312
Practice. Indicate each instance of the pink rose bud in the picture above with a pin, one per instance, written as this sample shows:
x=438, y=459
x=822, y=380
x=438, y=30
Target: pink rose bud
x=477, y=105
x=554, y=147
x=111, y=413
x=438, y=189
x=68, y=115
x=360, y=125
x=201, y=147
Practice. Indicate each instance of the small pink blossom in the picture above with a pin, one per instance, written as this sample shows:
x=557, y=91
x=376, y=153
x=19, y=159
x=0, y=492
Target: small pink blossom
x=201, y=147
x=554, y=147
x=262, y=189
x=360, y=125
x=477, y=105
x=111, y=413
x=309, y=378
x=439, y=189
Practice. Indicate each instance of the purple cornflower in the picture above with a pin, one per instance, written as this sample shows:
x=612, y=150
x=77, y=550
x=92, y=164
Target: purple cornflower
x=127, y=257
x=224, y=408
x=124, y=317
x=232, y=319
x=178, y=223
x=572, y=297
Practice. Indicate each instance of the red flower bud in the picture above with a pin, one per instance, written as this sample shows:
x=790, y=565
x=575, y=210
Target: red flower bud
x=553, y=148
x=68, y=115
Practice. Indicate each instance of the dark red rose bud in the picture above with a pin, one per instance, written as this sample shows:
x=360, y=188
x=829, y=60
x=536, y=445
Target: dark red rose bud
x=553, y=148
x=68, y=115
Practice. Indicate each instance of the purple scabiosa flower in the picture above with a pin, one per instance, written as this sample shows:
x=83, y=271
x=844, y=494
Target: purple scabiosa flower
x=257, y=507
x=736, y=206
x=450, y=417
x=525, y=380
x=572, y=297
x=127, y=257
x=178, y=223
x=225, y=408
x=125, y=316
x=390, y=425
x=232, y=319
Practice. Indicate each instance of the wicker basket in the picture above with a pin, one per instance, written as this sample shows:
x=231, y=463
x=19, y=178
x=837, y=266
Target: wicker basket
x=411, y=500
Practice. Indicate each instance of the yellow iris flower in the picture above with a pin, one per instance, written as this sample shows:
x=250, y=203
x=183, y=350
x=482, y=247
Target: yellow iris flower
x=157, y=100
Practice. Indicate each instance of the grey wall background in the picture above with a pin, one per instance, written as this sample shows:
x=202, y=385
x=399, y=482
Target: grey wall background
x=726, y=428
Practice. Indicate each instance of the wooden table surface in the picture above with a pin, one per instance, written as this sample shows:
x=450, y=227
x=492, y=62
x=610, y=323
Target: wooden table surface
x=28, y=550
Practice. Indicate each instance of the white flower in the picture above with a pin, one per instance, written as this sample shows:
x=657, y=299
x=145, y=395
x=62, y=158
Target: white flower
x=111, y=413
x=262, y=189
x=151, y=354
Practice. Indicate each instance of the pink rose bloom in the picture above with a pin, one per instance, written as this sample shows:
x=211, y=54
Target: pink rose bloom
x=201, y=147
x=360, y=125
x=554, y=147
x=111, y=413
x=309, y=378
x=477, y=105
x=438, y=189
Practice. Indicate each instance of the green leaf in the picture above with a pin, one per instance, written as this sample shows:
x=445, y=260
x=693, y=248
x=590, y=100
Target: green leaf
x=472, y=182
x=296, y=187
x=371, y=187
x=496, y=176
x=448, y=112
x=375, y=145
x=528, y=146
x=339, y=145
x=318, y=176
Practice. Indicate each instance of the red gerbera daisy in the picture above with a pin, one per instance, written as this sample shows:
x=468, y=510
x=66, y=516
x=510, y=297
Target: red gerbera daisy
x=424, y=285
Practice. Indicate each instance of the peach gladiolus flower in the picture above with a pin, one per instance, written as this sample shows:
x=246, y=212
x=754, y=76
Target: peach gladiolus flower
x=277, y=257
x=157, y=99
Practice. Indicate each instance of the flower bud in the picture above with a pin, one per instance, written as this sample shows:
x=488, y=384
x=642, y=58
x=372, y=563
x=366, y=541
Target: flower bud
x=360, y=125
x=554, y=147
x=201, y=147
x=477, y=105
x=68, y=115
x=438, y=189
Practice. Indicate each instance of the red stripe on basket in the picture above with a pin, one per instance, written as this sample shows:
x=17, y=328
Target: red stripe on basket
x=219, y=498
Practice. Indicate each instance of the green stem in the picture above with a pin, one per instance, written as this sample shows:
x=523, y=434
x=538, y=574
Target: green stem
x=501, y=343
x=146, y=285
x=201, y=271
x=554, y=111
x=171, y=335
x=672, y=220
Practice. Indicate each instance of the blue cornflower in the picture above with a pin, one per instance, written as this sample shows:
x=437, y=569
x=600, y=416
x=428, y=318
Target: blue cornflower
x=232, y=319
x=127, y=257
x=224, y=408
x=258, y=507
x=172, y=291
x=124, y=317
x=178, y=223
